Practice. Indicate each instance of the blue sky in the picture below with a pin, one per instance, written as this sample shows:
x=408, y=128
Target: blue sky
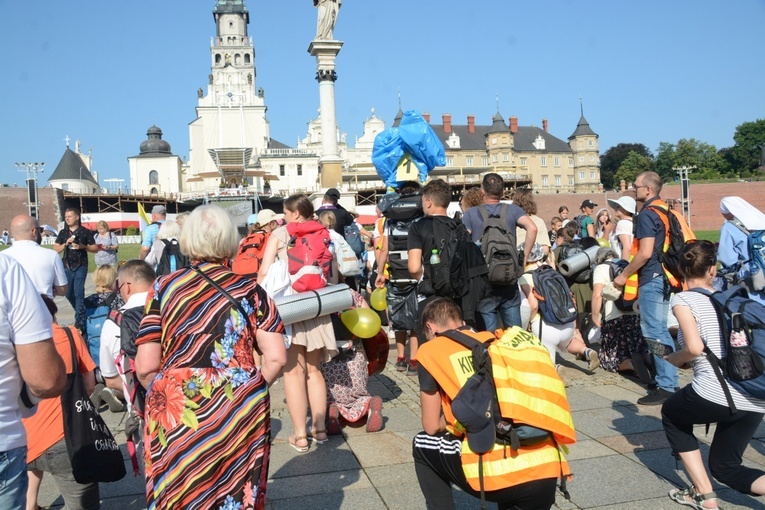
x=648, y=71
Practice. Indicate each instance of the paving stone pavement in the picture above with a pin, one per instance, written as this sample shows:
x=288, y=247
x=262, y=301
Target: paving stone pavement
x=621, y=460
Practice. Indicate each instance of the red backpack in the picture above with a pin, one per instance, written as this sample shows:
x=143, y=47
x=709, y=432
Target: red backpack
x=308, y=257
x=248, y=259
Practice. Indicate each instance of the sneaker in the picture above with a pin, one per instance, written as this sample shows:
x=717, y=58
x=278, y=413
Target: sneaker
x=592, y=357
x=333, y=420
x=562, y=374
x=655, y=398
x=375, y=420
x=95, y=397
x=115, y=404
x=401, y=364
x=411, y=369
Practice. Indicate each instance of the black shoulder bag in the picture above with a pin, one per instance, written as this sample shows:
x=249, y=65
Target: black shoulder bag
x=93, y=452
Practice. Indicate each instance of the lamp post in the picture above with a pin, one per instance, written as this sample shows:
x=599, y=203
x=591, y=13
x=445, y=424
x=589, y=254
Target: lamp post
x=31, y=169
x=685, y=182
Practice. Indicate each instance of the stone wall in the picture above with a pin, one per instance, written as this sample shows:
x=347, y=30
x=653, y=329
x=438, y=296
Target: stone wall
x=705, y=201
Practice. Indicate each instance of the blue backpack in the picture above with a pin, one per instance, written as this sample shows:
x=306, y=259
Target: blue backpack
x=755, y=244
x=742, y=366
x=353, y=238
x=96, y=316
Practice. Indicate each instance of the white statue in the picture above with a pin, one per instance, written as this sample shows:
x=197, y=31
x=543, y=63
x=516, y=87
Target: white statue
x=325, y=24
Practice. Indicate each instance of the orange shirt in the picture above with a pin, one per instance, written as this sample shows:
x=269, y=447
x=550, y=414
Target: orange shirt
x=46, y=427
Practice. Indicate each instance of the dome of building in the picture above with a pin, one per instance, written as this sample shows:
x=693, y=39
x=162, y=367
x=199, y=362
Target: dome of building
x=155, y=144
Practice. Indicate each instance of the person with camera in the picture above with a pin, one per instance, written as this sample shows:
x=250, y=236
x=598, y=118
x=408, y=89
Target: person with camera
x=75, y=241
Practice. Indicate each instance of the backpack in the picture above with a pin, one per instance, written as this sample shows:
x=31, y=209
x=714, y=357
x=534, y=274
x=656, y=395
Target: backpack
x=622, y=303
x=309, y=260
x=499, y=247
x=96, y=317
x=569, y=250
x=755, y=263
x=556, y=305
x=742, y=336
x=578, y=222
x=172, y=259
x=401, y=207
x=250, y=255
x=353, y=238
x=347, y=262
x=480, y=393
x=449, y=237
x=676, y=233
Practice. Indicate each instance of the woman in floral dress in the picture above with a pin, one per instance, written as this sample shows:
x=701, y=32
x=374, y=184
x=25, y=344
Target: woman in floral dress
x=208, y=431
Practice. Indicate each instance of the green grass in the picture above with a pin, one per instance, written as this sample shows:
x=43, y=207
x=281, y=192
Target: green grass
x=708, y=235
x=126, y=252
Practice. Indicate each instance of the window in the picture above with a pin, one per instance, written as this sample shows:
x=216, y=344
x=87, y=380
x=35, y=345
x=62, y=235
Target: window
x=65, y=187
x=246, y=58
x=506, y=157
x=523, y=161
x=581, y=159
x=557, y=180
x=217, y=58
x=485, y=160
x=544, y=180
x=154, y=191
x=543, y=160
x=591, y=143
x=300, y=170
x=495, y=159
x=449, y=161
x=592, y=175
x=570, y=180
x=281, y=170
x=592, y=159
x=494, y=141
x=581, y=176
x=571, y=162
x=153, y=177
x=469, y=161
x=556, y=161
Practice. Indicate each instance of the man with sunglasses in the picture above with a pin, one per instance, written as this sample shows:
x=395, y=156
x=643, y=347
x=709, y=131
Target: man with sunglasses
x=653, y=290
x=44, y=267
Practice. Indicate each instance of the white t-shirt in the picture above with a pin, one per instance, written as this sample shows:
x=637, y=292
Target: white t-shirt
x=705, y=382
x=542, y=237
x=602, y=275
x=43, y=266
x=622, y=227
x=110, y=339
x=24, y=319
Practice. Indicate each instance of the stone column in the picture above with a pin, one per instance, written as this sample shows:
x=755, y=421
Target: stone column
x=330, y=164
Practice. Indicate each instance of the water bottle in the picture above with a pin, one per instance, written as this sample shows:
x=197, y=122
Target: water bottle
x=435, y=258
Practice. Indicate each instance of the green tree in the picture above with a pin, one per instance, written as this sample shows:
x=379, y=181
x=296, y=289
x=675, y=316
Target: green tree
x=613, y=158
x=707, y=162
x=746, y=153
x=634, y=164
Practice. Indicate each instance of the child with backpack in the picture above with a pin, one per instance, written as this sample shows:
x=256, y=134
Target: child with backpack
x=705, y=401
x=251, y=248
x=742, y=244
x=98, y=305
x=553, y=312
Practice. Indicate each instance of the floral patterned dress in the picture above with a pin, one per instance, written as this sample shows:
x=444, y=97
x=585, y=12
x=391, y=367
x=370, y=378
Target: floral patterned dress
x=208, y=430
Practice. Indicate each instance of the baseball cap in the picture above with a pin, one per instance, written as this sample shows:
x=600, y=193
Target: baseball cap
x=158, y=209
x=333, y=193
x=588, y=203
x=265, y=216
x=625, y=202
x=252, y=219
x=472, y=407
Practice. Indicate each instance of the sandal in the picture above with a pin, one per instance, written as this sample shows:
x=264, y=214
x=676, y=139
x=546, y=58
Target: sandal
x=696, y=500
x=293, y=441
x=316, y=432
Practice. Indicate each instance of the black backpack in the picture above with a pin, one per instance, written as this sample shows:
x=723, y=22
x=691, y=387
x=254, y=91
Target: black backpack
x=171, y=252
x=615, y=268
x=499, y=247
x=449, y=237
x=556, y=305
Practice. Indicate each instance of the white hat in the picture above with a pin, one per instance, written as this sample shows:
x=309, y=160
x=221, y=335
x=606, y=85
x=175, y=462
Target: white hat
x=266, y=216
x=625, y=202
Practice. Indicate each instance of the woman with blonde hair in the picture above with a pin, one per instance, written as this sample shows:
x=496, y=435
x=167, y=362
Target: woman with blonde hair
x=206, y=399
x=313, y=342
x=169, y=231
x=98, y=305
x=107, y=244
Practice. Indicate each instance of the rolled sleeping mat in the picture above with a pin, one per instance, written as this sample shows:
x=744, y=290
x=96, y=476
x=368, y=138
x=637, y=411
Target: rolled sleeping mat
x=576, y=263
x=314, y=303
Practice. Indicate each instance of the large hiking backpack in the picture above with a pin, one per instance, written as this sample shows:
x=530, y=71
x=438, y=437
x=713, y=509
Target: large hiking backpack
x=95, y=318
x=556, y=304
x=499, y=247
x=755, y=263
x=480, y=393
x=676, y=233
x=401, y=207
x=353, y=238
x=172, y=259
x=250, y=256
x=742, y=333
x=615, y=268
x=400, y=212
x=309, y=260
x=569, y=250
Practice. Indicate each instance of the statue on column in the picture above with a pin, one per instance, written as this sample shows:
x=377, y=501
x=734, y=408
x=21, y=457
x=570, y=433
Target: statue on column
x=327, y=17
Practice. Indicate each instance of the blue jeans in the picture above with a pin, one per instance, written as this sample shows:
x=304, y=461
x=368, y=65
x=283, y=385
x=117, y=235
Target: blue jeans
x=504, y=302
x=76, y=295
x=13, y=479
x=653, y=299
x=55, y=460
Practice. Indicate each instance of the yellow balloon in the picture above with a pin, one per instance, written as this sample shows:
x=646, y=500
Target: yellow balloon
x=603, y=243
x=362, y=322
x=379, y=299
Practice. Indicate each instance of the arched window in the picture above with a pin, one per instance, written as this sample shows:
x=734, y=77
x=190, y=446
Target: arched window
x=153, y=177
x=237, y=58
x=217, y=58
x=230, y=24
x=154, y=191
x=247, y=58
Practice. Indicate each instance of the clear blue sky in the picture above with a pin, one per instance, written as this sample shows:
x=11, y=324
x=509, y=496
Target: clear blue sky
x=649, y=71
